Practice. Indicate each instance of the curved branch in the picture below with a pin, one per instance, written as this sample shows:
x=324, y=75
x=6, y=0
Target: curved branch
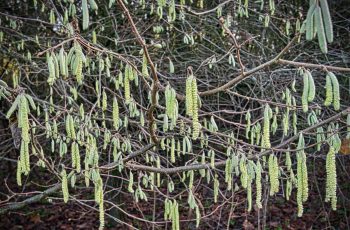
x=316, y=66
x=55, y=188
x=221, y=163
x=244, y=75
x=155, y=85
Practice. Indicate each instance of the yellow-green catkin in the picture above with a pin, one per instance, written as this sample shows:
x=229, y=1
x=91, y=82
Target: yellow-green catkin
x=244, y=172
x=104, y=100
x=189, y=98
x=329, y=91
x=216, y=188
x=131, y=183
x=336, y=91
x=258, y=184
x=302, y=176
x=115, y=113
x=331, y=184
x=273, y=174
x=312, y=88
x=127, y=96
x=172, y=150
x=144, y=66
x=101, y=209
x=64, y=186
x=195, y=125
x=304, y=98
x=19, y=173
x=266, y=130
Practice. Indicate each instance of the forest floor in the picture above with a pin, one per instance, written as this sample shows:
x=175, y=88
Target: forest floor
x=52, y=213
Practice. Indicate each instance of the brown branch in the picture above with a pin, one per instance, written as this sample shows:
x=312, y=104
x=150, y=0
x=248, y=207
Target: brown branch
x=237, y=46
x=218, y=164
x=18, y=205
x=155, y=85
x=248, y=73
x=316, y=66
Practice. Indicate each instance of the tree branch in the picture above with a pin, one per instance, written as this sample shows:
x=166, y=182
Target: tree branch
x=244, y=75
x=218, y=164
x=155, y=85
x=55, y=188
x=316, y=66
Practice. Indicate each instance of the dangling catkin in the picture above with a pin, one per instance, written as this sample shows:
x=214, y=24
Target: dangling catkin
x=189, y=98
x=258, y=184
x=328, y=25
x=65, y=186
x=266, y=131
x=273, y=174
x=104, y=100
x=115, y=113
x=336, y=91
x=311, y=91
x=19, y=173
x=126, y=89
x=331, y=184
x=320, y=30
x=216, y=188
x=196, y=125
x=304, y=98
x=85, y=11
x=329, y=91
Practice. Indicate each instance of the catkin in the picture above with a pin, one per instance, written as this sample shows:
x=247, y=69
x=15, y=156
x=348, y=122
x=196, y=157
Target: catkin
x=336, y=91
x=249, y=194
x=52, y=73
x=126, y=89
x=258, y=184
x=172, y=151
x=196, y=125
x=329, y=91
x=320, y=30
x=216, y=188
x=71, y=127
x=311, y=90
x=131, y=182
x=189, y=98
x=328, y=25
x=310, y=22
x=304, y=98
x=144, y=66
x=104, y=100
x=273, y=174
x=331, y=181
x=77, y=158
x=244, y=172
x=247, y=129
x=79, y=65
x=171, y=66
x=266, y=130
x=299, y=186
x=19, y=173
x=68, y=131
x=85, y=11
x=115, y=113
x=62, y=61
x=302, y=175
x=64, y=186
